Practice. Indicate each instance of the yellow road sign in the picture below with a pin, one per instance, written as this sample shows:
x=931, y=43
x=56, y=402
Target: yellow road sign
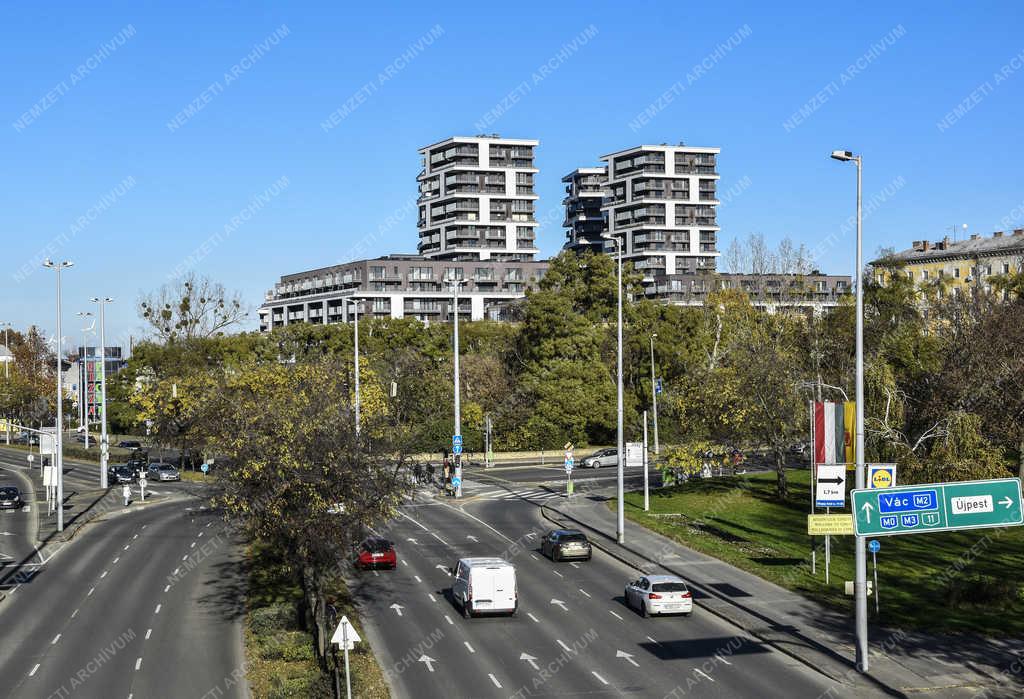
x=820, y=525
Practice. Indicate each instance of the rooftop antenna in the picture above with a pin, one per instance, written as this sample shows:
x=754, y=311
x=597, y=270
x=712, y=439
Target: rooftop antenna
x=956, y=228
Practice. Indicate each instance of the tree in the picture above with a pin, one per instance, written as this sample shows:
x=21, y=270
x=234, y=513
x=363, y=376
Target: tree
x=191, y=307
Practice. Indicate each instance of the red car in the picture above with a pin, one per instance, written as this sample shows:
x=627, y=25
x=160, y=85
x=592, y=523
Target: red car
x=377, y=552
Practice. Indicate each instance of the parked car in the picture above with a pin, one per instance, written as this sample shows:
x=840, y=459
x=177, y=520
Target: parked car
x=485, y=585
x=602, y=457
x=129, y=444
x=80, y=438
x=563, y=544
x=10, y=498
x=376, y=552
x=166, y=472
x=124, y=474
x=152, y=470
x=28, y=438
x=799, y=448
x=659, y=594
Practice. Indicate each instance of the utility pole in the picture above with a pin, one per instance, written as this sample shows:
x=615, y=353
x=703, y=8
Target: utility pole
x=456, y=283
x=104, y=444
x=83, y=408
x=7, y=377
x=860, y=557
x=620, y=527
x=58, y=458
x=654, y=395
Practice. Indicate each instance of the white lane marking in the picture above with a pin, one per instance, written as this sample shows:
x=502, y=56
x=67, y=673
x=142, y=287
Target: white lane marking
x=603, y=680
x=703, y=674
x=143, y=526
x=564, y=647
x=166, y=588
x=585, y=592
x=126, y=547
x=449, y=619
x=653, y=641
x=138, y=663
x=117, y=559
x=209, y=524
x=33, y=670
x=718, y=657
x=413, y=521
x=91, y=590
x=469, y=647
x=104, y=573
x=615, y=615
x=494, y=680
x=175, y=573
x=148, y=633
x=200, y=534
x=74, y=614
x=535, y=556
x=375, y=573
x=439, y=538
x=574, y=564
x=185, y=557
x=533, y=617
x=432, y=598
x=157, y=610
x=135, y=537
x=557, y=573
x=417, y=578
x=55, y=639
x=477, y=519
x=192, y=545
x=628, y=657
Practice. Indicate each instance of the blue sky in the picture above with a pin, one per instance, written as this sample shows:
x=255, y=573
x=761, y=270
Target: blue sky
x=102, y=116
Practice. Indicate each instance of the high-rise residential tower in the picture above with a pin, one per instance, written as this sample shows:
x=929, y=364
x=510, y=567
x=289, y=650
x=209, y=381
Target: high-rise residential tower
x=585, y=189
x=477, y=199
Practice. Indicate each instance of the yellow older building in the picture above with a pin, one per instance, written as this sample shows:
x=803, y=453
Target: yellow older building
x=961, y=264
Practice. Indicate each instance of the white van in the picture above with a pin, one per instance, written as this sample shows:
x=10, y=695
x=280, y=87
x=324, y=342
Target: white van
x=485, y=585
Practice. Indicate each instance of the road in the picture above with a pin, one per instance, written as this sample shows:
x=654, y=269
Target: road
x=108, y=616
x=573, y=634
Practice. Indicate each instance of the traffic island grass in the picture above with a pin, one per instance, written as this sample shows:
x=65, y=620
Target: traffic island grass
x=952, y=582
x=279, y=652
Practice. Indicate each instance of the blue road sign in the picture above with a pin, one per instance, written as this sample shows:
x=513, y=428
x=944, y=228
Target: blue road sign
x=456, y=449
x=874, y=546
x=657, y=386
x=456, y=440
x=204, y=468
x=456, y=481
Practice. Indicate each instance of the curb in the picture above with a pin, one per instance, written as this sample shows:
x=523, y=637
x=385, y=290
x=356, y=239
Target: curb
x=603, y=546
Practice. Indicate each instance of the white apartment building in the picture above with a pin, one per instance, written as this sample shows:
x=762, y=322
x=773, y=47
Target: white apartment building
x=661, y=203
x=477, y=199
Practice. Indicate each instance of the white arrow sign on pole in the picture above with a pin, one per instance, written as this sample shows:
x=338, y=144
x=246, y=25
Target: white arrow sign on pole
x=530, y=659
x=1007, y=502
x=867, y=507
x=560, y=603
x=627, y=656
x=398, y=608
x=429, y=662
x=341, y=633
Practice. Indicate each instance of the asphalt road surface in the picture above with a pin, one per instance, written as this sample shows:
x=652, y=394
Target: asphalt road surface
x=573, y=634
x=145, y=604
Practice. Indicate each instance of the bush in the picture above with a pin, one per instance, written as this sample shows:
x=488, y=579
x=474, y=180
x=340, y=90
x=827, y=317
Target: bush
x=983, y=590
x=277, y=617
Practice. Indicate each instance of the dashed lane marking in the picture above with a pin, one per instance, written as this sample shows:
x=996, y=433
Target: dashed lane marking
x=157, y=610
x=33, y=670
x=603, y=680
x=55, y=639
x=533, y=617
x=469, y=647
x=615, y=615
x=494, y=680
x=449, y=619
x=138, y=663
x=149, y=632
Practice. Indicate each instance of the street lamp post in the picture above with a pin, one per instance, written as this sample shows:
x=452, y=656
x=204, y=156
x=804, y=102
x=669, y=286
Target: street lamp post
x=620, y=526
x=355, y=355
x=58, y=459
x=455, y=284
x=104, y=445
x=7, y=377
x=860, y=575
x=654, y=395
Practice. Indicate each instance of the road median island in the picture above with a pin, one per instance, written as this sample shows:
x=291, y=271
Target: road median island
x=279, y=649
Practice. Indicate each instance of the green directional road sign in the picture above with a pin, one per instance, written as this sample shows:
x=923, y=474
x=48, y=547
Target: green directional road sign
x=919, y=509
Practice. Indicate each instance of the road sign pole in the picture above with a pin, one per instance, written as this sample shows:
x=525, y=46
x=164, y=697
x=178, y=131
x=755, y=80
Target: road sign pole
x=874, y=564
x=348, y=677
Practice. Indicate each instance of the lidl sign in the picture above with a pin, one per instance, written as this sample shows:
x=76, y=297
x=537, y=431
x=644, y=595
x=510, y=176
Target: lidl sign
x=881, y=476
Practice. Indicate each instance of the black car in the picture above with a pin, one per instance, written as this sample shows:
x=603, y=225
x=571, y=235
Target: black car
x=563, y=544
x=124, y=474
x=10, y=498
x=129, y=444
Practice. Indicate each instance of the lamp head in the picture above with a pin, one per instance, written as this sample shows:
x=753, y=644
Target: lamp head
x=843, y=155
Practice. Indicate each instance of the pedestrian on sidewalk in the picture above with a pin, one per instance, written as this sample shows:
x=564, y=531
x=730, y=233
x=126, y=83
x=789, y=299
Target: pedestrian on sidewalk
x=126, y=491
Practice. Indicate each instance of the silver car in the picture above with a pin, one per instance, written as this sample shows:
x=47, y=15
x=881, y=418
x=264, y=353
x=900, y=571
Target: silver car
x=659, y=594
x=602, y=457
x=166, y=472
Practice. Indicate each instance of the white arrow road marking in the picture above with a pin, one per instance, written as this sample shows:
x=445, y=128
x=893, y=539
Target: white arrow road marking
x=494, y=680
x=472, y=538
x=469, y=647
x=428, y=661
x=603, y=680
x=531, y=535
x=1006, y=501
x=628, y=657
x=444, y=568
x=560, y=603
x=413, y=541
x=866, y=507
x=530, y=659
x=703, y=674
x=574, y=564
x=398, y=608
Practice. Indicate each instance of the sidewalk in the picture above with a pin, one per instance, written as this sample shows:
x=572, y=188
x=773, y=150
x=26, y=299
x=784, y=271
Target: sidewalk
x=901, y=662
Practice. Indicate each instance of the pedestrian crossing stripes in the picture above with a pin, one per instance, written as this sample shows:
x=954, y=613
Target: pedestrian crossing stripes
x=533, y=494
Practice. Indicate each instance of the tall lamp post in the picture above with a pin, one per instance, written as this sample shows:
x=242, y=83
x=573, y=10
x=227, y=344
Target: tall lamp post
x=455, y=284
x=7, y=375
x=83, y=409
x=355, y=354
x=860, y=575
x=104, y=445
x=654, y=394
x=620, y=526
x=58, y=459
